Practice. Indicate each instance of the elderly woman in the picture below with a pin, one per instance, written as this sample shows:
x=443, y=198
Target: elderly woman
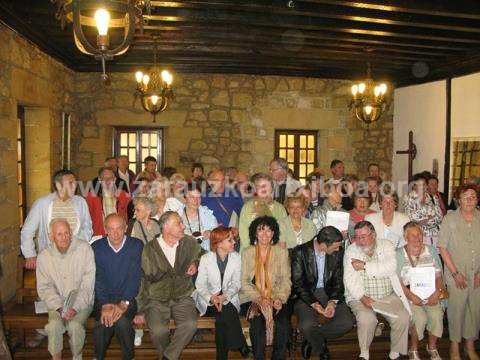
x=177, y=185
x=361, y=207
x=199, y=220
x=260, y=205
x=427, y=311
x=266, y=286
x=296, y=229
x=333, y=202
x=460, y=249
x=420, y=207
x=142, y=189
x=306, y=193
x=143, y=227
x=218, y=283
x=160, y=193
x=389, y=223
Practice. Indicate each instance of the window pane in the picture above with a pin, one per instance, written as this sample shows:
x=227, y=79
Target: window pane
x=303, y=169
x=303, y=141
x=123, y=139
x=153, y=139
x=283, y=141
x=19, y=129
x=291, y=141
x=19, y=172
x=311, y=141
x=311, y=156
x=132, y=139
x=310, y=168
x=303, y=156
x=132, y=155
x=153, y=152
x=303, y=181
x=123, y=151
x=144, y=153
x=19, y=150
x=145, y=141
x=291, y=166
x=133, y=167
x=282, y=153
x=291, y=156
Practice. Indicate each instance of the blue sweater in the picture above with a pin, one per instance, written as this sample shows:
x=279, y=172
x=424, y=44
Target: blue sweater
x=118, y=274
x=230, y=200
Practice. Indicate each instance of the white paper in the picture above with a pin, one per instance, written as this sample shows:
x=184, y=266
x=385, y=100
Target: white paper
x=40, y=307
x=338, y=219
x=378, y=309
x=422, y=281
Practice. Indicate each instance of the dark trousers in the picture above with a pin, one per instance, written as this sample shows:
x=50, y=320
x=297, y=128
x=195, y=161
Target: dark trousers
x=314, y=332
x=280, y=336
x=228, y=330
x=123, y=330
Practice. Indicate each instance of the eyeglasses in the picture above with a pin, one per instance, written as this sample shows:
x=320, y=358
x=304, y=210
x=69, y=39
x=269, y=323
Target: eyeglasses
x=362, y=237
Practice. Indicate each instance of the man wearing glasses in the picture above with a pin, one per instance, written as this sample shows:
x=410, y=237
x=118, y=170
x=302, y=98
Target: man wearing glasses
x=372, y=287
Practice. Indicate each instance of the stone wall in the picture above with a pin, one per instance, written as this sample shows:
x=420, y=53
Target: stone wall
x=229, y=120
x=30, y=78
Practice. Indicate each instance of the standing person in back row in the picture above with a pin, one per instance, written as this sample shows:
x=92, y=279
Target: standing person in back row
x=283, y=184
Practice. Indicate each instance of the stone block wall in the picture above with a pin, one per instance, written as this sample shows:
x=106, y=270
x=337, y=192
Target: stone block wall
x=229, y=120
x=30, y=78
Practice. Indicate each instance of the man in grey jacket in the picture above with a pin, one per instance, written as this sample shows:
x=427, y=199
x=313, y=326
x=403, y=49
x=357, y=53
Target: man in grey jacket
x=60, y=204
x=65, y=283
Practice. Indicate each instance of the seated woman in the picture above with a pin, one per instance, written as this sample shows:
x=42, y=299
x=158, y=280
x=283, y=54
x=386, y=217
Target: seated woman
x=262, y=204
x=160, y=193
x=296, y=229
x=218, y=284
x=427, y=312
x=143, y=227
x=266, y=286
x=306, y=192
x=199, y=220
x=361, y=207
x=389, y=222
x=333, y=202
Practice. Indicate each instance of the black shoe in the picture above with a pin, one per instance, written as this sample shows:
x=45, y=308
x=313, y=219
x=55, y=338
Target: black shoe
x=325, y=354
x=244, y=351
x=306, y=350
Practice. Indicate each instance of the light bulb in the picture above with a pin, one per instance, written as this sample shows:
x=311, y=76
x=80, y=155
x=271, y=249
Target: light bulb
x=354, y=90
x=167, y=77
x=102, y=20
x=139, y=76
x=377, y=91
x=154, y=99
x=368, y=109
x=146, y=80
x=383, y=88
x=361, y=88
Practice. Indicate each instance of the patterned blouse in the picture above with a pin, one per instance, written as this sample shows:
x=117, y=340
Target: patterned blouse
x=417, y=211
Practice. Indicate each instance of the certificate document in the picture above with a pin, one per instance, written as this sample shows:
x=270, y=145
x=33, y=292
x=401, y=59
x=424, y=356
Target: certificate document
x=338, y=219
x=422, y=281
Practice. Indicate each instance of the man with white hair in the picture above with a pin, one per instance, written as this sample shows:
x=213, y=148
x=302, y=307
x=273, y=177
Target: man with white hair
x=65, y=283
x=284, y=185
x=372, y=286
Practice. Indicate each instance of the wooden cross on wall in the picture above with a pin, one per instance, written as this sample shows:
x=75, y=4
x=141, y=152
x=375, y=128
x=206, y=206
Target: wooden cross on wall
x=411, y=152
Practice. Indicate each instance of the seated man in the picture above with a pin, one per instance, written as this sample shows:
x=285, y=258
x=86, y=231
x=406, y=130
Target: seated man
x=372, y=286
x=118, y=259
x=317, y=280
x=65, y=282
x=168, y=264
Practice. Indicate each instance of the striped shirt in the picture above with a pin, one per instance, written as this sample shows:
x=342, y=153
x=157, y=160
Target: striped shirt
x=66, y=210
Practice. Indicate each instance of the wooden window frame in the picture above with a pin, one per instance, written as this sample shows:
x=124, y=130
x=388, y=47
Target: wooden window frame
x=463, y=148
x=296, y=133
x=139, y=130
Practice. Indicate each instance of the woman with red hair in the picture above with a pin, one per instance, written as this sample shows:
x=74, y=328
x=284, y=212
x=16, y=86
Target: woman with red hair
x=218, y=283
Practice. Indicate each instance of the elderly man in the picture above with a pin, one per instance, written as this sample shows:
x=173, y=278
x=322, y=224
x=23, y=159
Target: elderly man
x=317, y=280
x=284, y=185
x=118, y=259
x=62, y=203
x=106, y=199
x=65, y=283
x=222, y=200
x=372, y=286
x=168, y=264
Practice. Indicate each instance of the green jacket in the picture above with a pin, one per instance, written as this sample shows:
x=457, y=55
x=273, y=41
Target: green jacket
x=161, y=282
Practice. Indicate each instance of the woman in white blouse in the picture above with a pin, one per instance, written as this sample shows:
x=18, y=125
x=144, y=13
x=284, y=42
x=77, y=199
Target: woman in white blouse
x=389, y=223
x=218, y=284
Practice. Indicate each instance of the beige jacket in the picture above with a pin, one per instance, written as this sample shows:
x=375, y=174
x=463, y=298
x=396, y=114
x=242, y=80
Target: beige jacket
x=59, y=274
x=279, y=269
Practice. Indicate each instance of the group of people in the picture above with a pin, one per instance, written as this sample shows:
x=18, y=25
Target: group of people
x=143, y=249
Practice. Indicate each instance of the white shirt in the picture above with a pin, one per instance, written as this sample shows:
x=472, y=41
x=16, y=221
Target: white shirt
x=121, y=246
x=125, y=177
x=169, y=251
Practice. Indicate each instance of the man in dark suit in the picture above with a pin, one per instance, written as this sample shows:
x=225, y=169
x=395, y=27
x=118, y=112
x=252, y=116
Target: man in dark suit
x=317, y=281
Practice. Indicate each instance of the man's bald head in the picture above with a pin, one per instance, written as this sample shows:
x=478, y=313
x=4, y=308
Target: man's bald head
x=60, y=234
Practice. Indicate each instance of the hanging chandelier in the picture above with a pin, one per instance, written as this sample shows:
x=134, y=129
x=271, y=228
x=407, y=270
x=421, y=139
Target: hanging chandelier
x=369, y=99
x=154, y=88
x=104, y=15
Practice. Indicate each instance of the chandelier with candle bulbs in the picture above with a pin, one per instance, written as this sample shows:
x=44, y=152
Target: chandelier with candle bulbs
x=369, y=99
x=154, y=88
x=104, y=15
